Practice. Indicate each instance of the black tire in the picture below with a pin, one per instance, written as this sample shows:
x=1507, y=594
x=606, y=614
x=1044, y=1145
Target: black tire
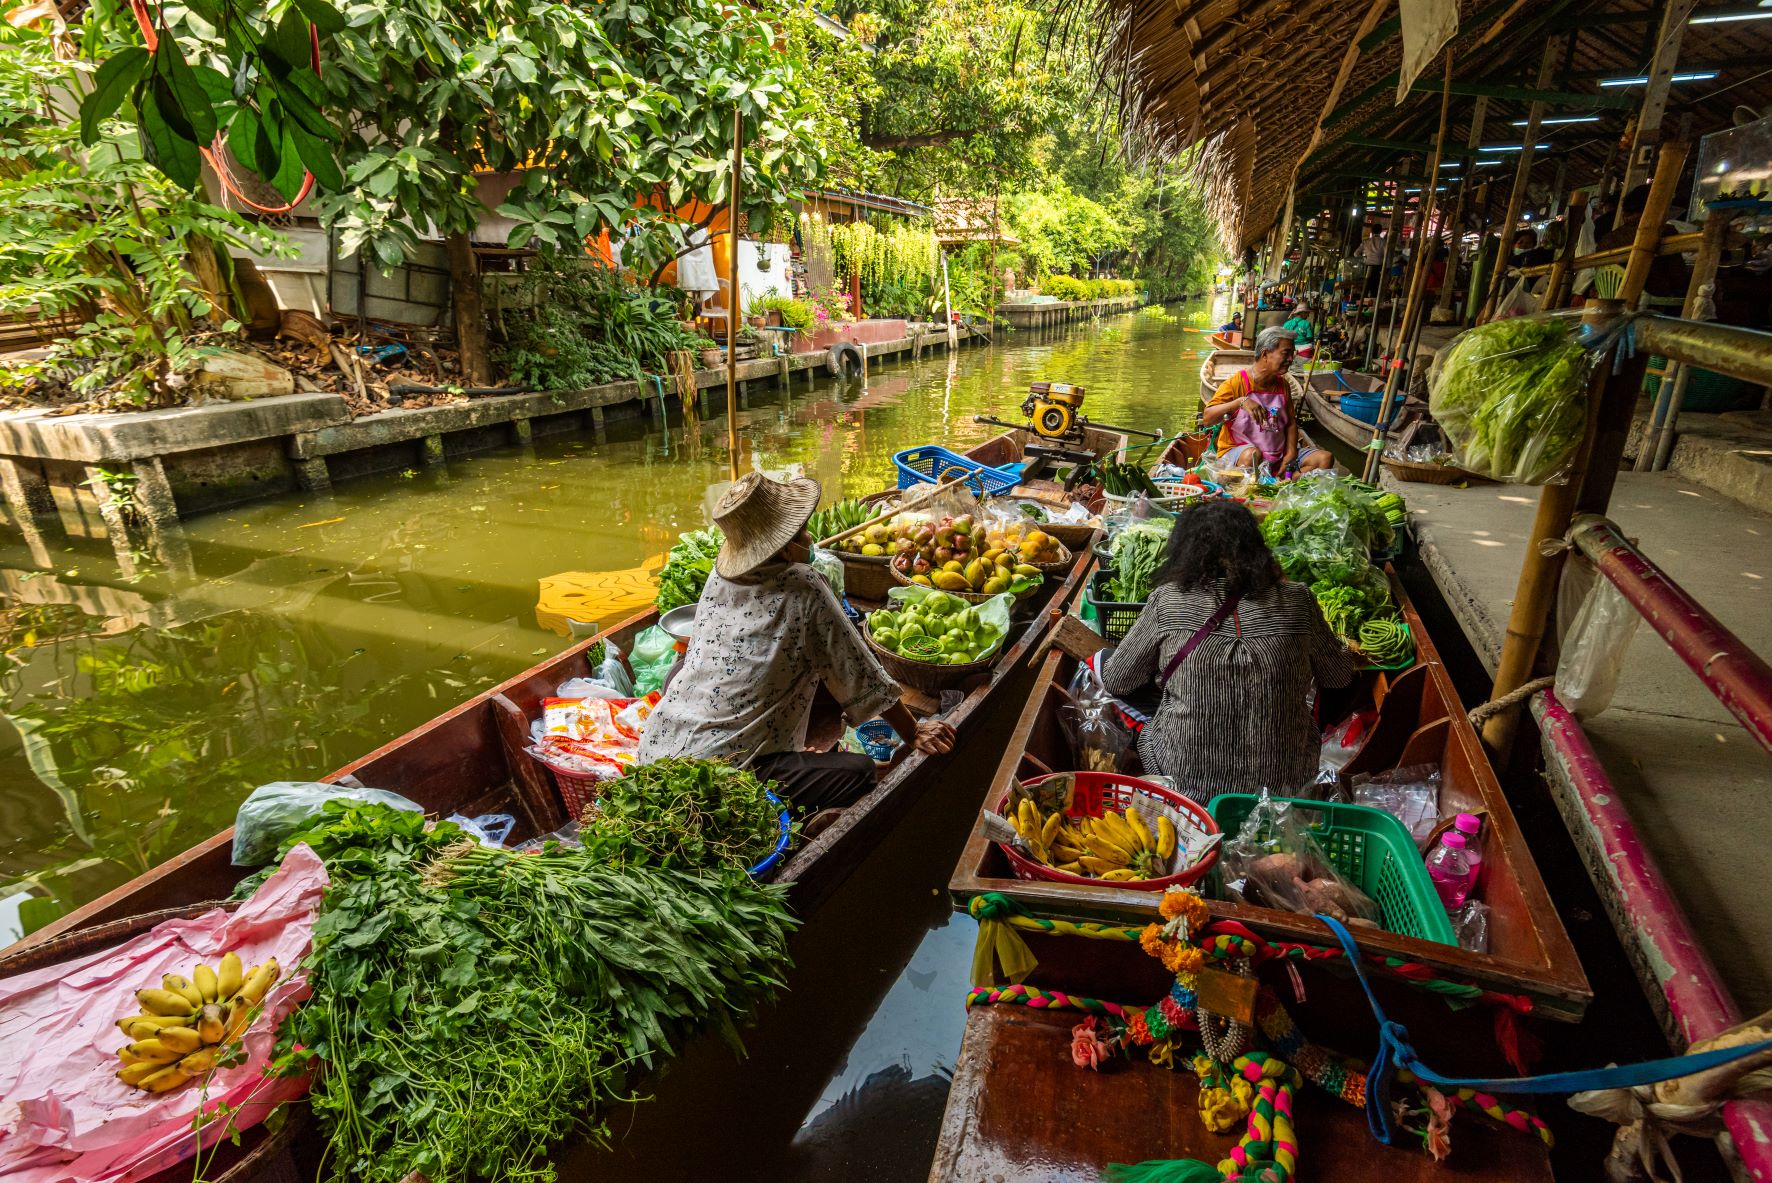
x=844, y=360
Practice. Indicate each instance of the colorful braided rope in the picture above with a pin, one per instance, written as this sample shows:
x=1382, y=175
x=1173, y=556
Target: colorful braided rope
x=1044, y=1000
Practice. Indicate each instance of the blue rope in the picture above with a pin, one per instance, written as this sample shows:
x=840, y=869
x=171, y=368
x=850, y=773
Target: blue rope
x=1396, y=1052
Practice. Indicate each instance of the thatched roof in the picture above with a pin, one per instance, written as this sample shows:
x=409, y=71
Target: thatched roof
x=1250, y=90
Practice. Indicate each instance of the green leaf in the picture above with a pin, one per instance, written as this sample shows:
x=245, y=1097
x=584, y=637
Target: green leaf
x=290, y=41
x=215, y=84
x=163, y=147
x=243, y=137
x=521, y=68
x=113, y=82
x=302, y=109
x=290, y=173
x=318, y=159
x=325, y=17
x=186, y=90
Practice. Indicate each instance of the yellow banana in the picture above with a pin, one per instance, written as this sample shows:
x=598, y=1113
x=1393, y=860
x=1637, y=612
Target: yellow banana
x=207, y=983
x=1049, y=831
x=1140, y=832
x=1073, y=867
x=1100, y=866
x=153, y=1049
x=239, y=1017
x=144, y=1026
x=180, y=985
x=1121, y=875
x=134, y=1074
x=200, y=1061
x=228, y=976
x=212, y=1024
x=179, y=1039
x=1117, y=831
x=1101, y=847
x=164, y=1002
x=258, y=981
x=166, y=1078
x=1165, y=838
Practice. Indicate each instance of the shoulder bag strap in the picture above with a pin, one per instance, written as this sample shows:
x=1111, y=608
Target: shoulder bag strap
x=1200, y=634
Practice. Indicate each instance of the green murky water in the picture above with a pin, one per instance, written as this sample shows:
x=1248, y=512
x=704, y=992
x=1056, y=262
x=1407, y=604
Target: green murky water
x=139, y=714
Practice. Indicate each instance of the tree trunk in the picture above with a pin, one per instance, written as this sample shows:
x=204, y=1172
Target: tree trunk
x=470, y=316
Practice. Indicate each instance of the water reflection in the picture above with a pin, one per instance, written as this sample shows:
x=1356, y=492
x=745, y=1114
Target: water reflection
x=313, y=628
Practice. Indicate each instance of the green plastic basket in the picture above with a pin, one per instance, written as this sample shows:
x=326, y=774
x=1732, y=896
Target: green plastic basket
x=1370, y=847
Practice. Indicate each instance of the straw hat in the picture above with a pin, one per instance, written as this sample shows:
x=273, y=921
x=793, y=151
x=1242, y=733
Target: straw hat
x=759, y=517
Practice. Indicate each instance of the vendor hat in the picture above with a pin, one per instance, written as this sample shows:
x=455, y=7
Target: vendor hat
x=759, y=516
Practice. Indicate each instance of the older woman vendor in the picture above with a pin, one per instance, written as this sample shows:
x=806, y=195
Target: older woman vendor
x=1253, y=417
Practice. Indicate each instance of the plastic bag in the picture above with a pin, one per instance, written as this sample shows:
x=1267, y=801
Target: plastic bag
x=1092, y=722
x=1511, y=395
x=1470, y=924
x=272, y=812
x=1410, y=794
x=655, y=651
x=1340, y=743
x=1594, y=650
x=829, y=565
x=1274, y=862
x=609, y=679
x=489, y=829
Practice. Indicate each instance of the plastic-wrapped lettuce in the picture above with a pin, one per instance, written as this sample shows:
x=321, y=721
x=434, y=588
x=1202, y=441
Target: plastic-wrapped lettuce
x=1511, y=396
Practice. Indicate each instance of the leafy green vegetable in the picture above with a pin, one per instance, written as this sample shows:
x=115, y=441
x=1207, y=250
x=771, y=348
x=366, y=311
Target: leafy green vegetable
x=687, y=568
x=472, y=1006
x=685, y=813
x=1511, y=396
x=1137, y=553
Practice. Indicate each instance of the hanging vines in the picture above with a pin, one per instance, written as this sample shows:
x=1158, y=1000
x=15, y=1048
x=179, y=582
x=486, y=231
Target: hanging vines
x=901, y=253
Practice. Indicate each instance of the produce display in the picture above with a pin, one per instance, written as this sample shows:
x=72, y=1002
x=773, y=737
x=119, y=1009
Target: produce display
x=471, y=1006
x=1120, y=479
x=957, y=554
x=685, y=813
x=934, y=627
x=1136, y=553
x=1117, y=847
x=1323, y=530
x=835, y=519
x=1511, y=396
x=186, y=1025
x=687, y=568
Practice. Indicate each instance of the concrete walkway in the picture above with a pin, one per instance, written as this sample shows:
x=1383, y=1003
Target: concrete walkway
x=1698, y=788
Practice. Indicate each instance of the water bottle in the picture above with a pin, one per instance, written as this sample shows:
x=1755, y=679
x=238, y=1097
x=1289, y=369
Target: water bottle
x=1471, y=826
x=1450, y=870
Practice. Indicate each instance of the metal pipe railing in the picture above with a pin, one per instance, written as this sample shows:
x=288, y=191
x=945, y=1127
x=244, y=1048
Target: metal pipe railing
x=1696, y=1003
x=1741, y=681
x=1740, y=353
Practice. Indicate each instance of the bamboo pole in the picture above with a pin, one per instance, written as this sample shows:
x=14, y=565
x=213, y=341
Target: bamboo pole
x=1516, y=197
x=1562, y=271
x=1704, y=271
x=1417, y=282
x=1393, y=231
x=733, y=300
x=1612, y=399
x=1442, y=313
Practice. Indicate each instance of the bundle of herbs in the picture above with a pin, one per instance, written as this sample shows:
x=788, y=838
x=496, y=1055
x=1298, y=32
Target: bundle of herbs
x=1137, y=553
x=685, y=813
x=473, y=1006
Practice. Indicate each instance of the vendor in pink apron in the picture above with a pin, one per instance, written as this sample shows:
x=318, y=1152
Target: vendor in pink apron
x=1253, y=416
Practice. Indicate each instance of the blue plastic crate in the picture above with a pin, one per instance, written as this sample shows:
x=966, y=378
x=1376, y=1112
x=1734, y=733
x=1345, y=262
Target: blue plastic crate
x=931, y=463
x=1364, y=406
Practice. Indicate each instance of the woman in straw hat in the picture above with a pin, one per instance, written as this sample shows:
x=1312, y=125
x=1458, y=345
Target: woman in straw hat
x=767, y=632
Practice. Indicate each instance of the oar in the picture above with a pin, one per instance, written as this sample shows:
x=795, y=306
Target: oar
x=909, y=503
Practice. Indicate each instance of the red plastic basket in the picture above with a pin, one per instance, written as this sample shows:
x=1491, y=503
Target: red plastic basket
x=578, y=790
x=1097, y=792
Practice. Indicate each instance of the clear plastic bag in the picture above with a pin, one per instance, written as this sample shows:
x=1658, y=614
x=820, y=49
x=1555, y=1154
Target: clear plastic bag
x=272, y=812
x=1273, y=862
x=1511, y=395
x=609, y=679
x=1340, y=743
x=1470, y=924
x=1092, y=722
x=1594, y=649
x=489, y=829
x=827, y=564
x=1411, y=795
x=655, y=651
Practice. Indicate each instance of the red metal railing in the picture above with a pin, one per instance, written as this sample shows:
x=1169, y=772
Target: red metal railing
x=1698, y=1003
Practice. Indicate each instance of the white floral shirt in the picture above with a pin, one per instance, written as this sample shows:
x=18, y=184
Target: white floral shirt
x=760, y=647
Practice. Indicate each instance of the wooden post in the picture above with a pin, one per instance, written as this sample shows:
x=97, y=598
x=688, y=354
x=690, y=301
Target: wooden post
x=1417, y=281
x=1443, y=306
x=1658, y=441
x=1392, y=232
x=1672, y=30
x=1612, y=397
x=470, y=314
x=1563, y=271
x=734, y=298
x=1516, y=198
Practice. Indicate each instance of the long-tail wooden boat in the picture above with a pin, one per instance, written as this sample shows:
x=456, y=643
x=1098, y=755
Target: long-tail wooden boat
x=1223, y=340
x=1322, y=394
x=1019, y=1111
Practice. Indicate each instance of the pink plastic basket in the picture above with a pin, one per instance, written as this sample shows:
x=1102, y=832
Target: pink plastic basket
x=1098, y=792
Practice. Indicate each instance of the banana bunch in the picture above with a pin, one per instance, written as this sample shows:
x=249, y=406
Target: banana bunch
x=1116, y=847
x=187, y=1023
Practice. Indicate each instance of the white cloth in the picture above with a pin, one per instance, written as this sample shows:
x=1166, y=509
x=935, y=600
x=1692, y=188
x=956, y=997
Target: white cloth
x=695, y=270
x=761, y=646
x=1372, y=251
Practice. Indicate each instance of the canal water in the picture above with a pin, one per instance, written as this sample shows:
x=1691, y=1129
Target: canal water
x=319, y=627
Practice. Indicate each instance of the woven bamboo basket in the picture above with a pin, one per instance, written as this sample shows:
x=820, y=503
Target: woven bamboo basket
x=923, y=675
x=263, y=1156
x=970, y=597
x=1432, y=474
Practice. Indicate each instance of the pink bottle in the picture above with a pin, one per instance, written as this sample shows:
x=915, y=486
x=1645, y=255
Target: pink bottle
x=1450, y=870
x=1471, y=826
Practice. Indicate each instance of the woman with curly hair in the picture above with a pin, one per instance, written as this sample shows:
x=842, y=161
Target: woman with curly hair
x=1235, y=650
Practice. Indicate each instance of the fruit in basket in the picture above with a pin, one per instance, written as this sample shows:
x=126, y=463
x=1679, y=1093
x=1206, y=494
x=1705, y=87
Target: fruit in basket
x=924, y=549
x=939, y=629
x=1117, y=847
x=1025, y=543
x=187, y=1025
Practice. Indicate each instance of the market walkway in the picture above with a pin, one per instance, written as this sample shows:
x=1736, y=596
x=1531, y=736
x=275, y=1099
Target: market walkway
x=1691, y=777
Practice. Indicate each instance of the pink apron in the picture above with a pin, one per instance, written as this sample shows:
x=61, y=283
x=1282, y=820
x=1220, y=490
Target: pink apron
x=1270, y=438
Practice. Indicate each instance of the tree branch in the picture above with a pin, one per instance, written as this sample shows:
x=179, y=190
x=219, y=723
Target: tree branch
x=887, y=143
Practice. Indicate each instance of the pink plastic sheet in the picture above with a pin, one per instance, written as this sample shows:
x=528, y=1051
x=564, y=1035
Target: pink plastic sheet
x=64, y=1115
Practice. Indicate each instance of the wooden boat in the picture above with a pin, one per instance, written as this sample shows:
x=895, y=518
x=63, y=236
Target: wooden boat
x=1014, y=1078
x=1217, y=367
x=1322, y=394
x=1227, y=340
